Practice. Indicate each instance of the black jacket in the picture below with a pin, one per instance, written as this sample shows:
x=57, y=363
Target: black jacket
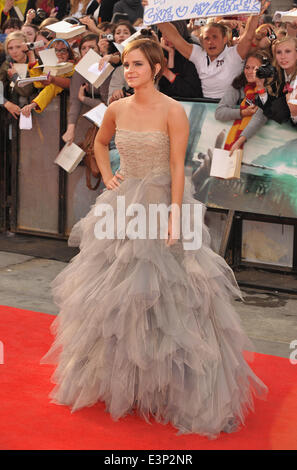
x=187, y=83
x=276, y=107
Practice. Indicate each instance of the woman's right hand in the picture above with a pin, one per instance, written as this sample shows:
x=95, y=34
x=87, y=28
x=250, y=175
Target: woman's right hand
x=30, y=16
x=13, y=109
x=114, y=183
x=249, y=111
x=68, y=137
x=11, y=71
x=236, y=146
x=8, y=5
x=26, y=110
x=103, y=46
x=89, y=23
x=117, y=95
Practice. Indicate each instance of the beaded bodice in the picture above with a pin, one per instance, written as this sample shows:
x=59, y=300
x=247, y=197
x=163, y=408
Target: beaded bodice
x=142, y=152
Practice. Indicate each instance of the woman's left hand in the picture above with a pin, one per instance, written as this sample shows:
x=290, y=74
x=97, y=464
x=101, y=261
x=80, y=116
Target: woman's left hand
x=53, y=13
x=171, y=240
x=114, y=183
x=50, y=79
x=103, y=61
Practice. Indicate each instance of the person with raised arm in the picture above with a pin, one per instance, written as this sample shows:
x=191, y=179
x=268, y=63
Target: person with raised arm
x=217, y=64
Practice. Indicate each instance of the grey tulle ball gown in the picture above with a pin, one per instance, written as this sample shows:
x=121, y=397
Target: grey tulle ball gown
x=146, y=328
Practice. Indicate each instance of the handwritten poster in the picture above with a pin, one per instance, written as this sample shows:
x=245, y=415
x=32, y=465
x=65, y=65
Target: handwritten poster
x=162, y=11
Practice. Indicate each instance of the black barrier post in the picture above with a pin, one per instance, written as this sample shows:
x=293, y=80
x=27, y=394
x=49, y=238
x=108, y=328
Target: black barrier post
x=62, y=174
x=295, y=249
x=237, y=240
x=13, y=139
x=4, y=177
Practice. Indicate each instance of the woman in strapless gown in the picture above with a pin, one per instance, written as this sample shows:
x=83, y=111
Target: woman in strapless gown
x=146, y=325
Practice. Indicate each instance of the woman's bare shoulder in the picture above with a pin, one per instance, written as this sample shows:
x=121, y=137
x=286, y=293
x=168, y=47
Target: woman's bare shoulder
x=172, y=105
x=118, y=106
x=174, y=109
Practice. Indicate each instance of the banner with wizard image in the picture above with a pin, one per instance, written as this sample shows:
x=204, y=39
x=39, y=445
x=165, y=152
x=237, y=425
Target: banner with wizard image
x=268, y=178
x=162, y=11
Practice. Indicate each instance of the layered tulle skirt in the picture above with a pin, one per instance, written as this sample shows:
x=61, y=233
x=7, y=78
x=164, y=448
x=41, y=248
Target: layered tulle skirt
x=148, y=328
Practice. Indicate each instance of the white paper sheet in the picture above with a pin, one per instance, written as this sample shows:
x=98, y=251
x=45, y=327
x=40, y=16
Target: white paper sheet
x=21, y=70
x=25, y=123
x=96, y=114
x=48, y=57
x=222, y=165
x=95, y=70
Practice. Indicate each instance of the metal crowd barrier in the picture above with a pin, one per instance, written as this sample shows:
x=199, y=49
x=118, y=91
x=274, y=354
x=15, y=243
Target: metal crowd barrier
x=44, y=199
x=40, y=198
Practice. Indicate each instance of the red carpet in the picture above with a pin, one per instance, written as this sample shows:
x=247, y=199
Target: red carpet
x=28, y=421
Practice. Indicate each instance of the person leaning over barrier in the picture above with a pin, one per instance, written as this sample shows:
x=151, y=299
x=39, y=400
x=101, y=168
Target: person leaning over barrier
x=55, y=84
x=81, y=92
x=247, y=117
x=275, y=97
x=17, y=53
x=216, y=63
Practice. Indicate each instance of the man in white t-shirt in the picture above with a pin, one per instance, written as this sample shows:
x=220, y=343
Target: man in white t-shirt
x=216, y=63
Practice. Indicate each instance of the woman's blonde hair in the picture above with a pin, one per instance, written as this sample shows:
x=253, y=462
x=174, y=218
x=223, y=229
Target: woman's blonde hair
x=279, y=70
x=18, y=35
x=152, y=51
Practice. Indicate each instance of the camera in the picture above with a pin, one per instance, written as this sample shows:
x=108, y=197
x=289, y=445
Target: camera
x=235, y=33
x=200, y=22
x=34, y=45
x=41, y=14
x=266, y=71
x=109, y=37
x=271, y=36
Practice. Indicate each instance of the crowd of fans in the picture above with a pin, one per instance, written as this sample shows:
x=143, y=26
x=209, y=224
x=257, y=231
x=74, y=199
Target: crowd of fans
x=248, y=63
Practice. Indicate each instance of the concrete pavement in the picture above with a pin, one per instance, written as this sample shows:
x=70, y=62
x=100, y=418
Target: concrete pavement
x=269, y=318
